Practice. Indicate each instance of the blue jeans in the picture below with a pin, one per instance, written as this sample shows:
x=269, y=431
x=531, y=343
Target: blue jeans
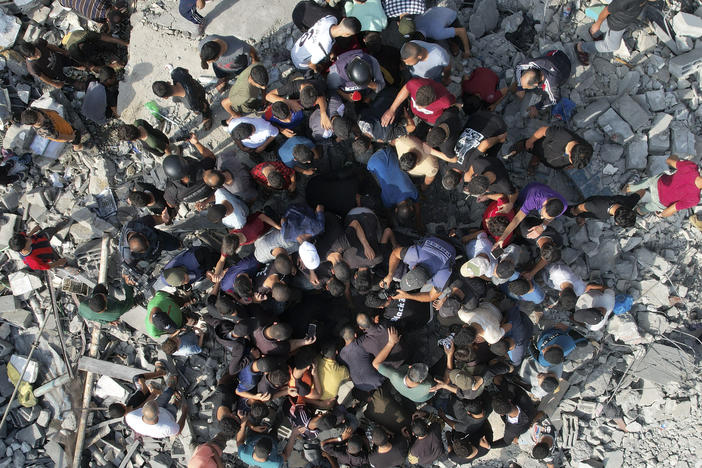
x=188, y=10
x=164, y=398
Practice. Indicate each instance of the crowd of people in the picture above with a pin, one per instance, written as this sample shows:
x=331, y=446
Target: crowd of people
x=324, y=307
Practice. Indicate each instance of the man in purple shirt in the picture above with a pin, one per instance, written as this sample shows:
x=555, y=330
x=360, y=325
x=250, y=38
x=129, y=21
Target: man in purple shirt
x=535, y=197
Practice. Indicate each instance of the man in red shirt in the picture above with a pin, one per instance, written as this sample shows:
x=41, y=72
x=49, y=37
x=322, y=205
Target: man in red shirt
x=274, y=175
x=35, y=250
x=428, y=100
x=483, y=83
x=665, y=194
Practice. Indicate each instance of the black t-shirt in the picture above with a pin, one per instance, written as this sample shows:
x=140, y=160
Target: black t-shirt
x=394, y=457
x=291, y=88
x=427, y=450
x=553, y=146
x=337, y=195
x=306, y=13
x=531, y=221
x=406, y=314
x=370, y=115
x=178, y=192
x=455, y=125
x=481, y=125
x=466, y=422
x=502, y=184
x=195, y=95
x=623, y=13
x=50, y=63
x=159, y=202
x=354, y=255
x=513, y=430
x=599, y=205
x=333, y=239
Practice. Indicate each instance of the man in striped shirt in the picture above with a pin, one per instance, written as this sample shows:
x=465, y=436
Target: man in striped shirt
x=100, y=11
x=35, y=250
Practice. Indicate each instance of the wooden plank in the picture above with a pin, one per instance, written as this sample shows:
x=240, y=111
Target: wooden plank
x=116, y=371
x=130, y=451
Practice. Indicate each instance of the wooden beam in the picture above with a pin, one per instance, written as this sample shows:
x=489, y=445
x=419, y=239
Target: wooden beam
x=110, y=369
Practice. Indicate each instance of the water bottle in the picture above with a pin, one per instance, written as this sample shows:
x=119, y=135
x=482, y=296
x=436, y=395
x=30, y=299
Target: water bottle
x=154, y=109
x=567, y=10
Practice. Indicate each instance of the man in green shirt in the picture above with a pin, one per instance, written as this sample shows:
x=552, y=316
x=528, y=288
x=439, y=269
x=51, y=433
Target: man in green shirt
x=247, y=94
x=103, y=308
x=163, y=314
x=409, y=381
x=154, y=140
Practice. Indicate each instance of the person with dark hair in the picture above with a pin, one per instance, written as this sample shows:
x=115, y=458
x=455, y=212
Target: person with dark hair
x=390, y=450
x=427, y=446
x=466, y=416
x=514, y=416
x=487, y=179
x=549, y=244
x=312, y=50
x=427, y=60
x=184, y=342
x=145, y=195
x=164, y=315
x=524, y=289
x=250, y=375
x=540, y=198
x=228, y=55
x=156, y=418
x=541, y=440
x=140, y=394
x=307, y=12
x=545, y=74
x=483, y=83
x=369, y=12
x=101, y=307
x=375, y=338
x=238, y=279
x=496, y=218
x=594, y=308
x=252, y=134
x=247, y=93
x=228, y=209
x=396, y=188
x=556, y=147
x=364, y=376
x=100, y=11
x=299, y=153
x=466, y=447
x=261, y=450
x=330, y=372
x=140, y=241
x=604, y=207
x=353, y=453
x=287, y=121
x=186, y=184
x=274, y=340
x=153, y=140
x=544, y=381
x=274, y=175
x=428, y=100
x=428, y=261
x=562, y=278
x=46, y=62
x=418, y=159
x=460, y=293
x=189, y=266
x=356, y=76
x=35, y=250
x=443, y=24
x=299, y=92
x=230, y=174
x=93, y=50
x=50, y=125
x=555, y=344
x=187, y=90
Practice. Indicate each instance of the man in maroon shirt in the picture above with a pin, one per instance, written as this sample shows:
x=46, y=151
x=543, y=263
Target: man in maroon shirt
x=35, y=250
x=428, y=100
x=666, y=194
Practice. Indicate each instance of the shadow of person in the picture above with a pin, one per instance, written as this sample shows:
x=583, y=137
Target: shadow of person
x=220, y=8
x=127, y=93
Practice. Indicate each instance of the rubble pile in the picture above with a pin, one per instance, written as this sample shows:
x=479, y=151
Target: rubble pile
x=633, y=394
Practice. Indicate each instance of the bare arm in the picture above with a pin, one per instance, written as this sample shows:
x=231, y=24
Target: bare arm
x=393, y=262
x=202, y=149
x=538, y=134
x=269, y=221
x=671, y=210
x=113, y=40
x=672, y=161
x=393, y=339
x=389, y=115
x=510, y=227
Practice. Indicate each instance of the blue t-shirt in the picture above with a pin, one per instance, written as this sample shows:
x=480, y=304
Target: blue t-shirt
x=436, y=256
x=435, y=23
x=188, y=345
x=248, y=379
x=554, y=336
x=395, y=185
x=285, y=152
x=536, y=296
x=248, y=265
x=246, y=454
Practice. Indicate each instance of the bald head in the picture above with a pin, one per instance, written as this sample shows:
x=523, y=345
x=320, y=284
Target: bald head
x=150, y=412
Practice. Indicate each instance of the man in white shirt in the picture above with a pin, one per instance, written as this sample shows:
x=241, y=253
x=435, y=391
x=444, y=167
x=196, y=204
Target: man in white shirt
x=228, y=209
x=155, y=421
x=426, y=60
x=485, y=319
x=316, y=44
x=594, y=308
x=560, y=277
x=252, y=133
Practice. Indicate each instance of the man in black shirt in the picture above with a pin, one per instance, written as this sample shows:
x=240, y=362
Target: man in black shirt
x=190, y=188
x=404, y=314
x=145, y=195
x=427, y=448
x=602, y=207
x=188, y=90
x=370, y=115
x=557, y=148
x=516, y=420
x=389, y=451
x=488, y=179
x=612, y=21
x=374, y=339
x=461, y=292
x=446, y=131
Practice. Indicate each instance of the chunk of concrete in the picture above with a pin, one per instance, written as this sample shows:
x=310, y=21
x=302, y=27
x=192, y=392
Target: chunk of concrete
x=615, y=127
x=107, y=387
x=687, y=25
x=632, y=112
x=659, y=134
x=484, y=17
x=655, y=293
x=663, y=364
x=23, y=283
x=637, y=152
x=9, y=29
x=686, y=64
x=32, y=435
x=588, y=116
x=656, y=100
x=682, y=140
x=611, y=153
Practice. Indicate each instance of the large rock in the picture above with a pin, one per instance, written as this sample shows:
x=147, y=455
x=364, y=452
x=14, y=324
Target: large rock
x=637, y=152
x=659, y=134
x=588, y=116
x=682, y=140
x=615, y=127
x=484, y=17
x=632, y=112
x=9, y=29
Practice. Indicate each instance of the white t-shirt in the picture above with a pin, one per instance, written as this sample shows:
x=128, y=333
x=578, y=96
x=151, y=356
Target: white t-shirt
x=488, y=317
x=597, y=299
x=556, y=274
x=529, y=372
x=315, y=45
x=262, y=132
x=237, y=218
x=165, y=427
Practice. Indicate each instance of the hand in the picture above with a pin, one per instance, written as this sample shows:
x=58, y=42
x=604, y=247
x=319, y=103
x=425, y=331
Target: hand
x=165, y=216
x=393, y=336
x=214, y=278
x=451, y=349
x=369, y=252
x=326, y=122
x=535, y=231
x=387, y=118
x=60, y=262
x=373, y=86
x=439, y=385
x=385, y=282
x=314, y=280
x=128, y=280
x=310, y=171
x=528, y=275
x=264, y=396
x=484, y=443
x=533, y=112
x=294, y=105
x=529, y=144
x=287, y=132
x=201, y=205
x=299, y=430
x=506, y=208
x=346, y=435
x=594, y=29
x=400, y=295
x=320, y=209
x=243, y=416
x=309, y=341
x=482, y=198
x=193, y=139
x=437, y=303
x=258, y=297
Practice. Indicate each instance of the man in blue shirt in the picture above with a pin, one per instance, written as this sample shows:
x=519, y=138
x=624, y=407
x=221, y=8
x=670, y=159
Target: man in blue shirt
x=396, y=188
x=298, y=153
x=516, y=340
x=300, y=223
x=555, y=344
x=237, y=280
x=189, y=266
x=262, y=450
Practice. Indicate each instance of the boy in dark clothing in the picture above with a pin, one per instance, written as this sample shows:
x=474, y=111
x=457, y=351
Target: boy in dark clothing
x=546, y=73
x=602, y=207
x=188, y=90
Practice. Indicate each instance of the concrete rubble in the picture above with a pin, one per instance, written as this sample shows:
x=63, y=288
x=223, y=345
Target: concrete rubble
x=646, y=371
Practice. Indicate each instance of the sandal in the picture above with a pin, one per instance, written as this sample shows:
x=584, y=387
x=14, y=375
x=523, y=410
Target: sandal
x=583, y=57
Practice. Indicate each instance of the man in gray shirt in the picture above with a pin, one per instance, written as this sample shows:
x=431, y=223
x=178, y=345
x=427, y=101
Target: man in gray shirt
x=228, y=55
x=426, y=60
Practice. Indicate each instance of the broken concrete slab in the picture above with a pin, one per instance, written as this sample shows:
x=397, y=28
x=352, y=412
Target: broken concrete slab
x=615, y=127
x=655, y=293
x=587, y=117
x=663, y=364
x=9, y=29
x=24, y=283
x=110, y=369
x=637, y=152
x=32, y=435
x=659, y=134
x=632, y=112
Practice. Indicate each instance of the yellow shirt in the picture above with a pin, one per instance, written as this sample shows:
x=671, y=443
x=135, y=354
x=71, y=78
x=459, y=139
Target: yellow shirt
x=331, y=374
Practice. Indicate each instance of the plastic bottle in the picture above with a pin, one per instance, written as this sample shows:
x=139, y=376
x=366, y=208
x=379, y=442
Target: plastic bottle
x=567, y=10
x=154, y=109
